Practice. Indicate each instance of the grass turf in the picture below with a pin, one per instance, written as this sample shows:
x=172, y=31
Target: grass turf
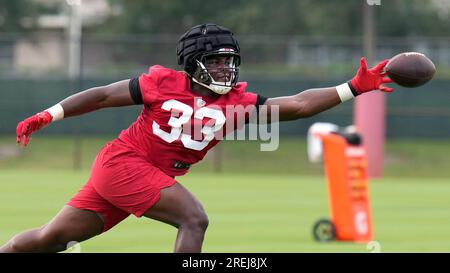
x=403, y=157
x=247, y=212
x=259, y=202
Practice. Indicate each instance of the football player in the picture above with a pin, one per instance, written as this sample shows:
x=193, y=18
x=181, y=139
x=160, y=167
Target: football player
x=135, y=173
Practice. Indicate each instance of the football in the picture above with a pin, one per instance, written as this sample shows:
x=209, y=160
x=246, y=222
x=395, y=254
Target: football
x=410, y=69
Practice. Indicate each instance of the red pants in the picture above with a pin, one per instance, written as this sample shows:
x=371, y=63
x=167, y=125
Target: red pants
x=122, y=183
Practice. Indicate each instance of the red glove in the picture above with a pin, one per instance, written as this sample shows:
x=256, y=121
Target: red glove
x=28, y=126
x=369, y=80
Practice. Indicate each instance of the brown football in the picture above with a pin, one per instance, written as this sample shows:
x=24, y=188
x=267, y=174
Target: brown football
x=410, y=69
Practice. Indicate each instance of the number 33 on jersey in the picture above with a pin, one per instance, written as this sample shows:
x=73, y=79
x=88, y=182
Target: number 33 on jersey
x=186, y=114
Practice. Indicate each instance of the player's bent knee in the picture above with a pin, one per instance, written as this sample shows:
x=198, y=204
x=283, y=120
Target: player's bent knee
x=198, y=221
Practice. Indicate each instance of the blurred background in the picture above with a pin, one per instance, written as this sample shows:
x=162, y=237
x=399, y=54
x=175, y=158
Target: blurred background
x=50, y=49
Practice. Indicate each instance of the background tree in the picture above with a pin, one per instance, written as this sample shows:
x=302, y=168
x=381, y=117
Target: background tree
x=287, y=17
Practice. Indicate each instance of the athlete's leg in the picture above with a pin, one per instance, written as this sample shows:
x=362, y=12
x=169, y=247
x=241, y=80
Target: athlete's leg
x=70, y=224
x=179, y=208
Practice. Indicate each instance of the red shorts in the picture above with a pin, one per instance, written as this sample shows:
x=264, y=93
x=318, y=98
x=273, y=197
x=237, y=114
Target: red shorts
x=122, y=183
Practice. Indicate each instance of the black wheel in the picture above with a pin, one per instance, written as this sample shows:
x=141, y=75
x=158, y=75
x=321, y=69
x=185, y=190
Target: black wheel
x=324, y=231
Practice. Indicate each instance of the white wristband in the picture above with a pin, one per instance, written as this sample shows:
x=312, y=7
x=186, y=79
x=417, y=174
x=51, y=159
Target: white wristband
x=57, y=112
x=344, y=92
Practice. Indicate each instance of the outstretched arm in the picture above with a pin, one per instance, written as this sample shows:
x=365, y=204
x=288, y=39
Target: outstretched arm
x=314, y=101
x=305, y=104
x=113, y=95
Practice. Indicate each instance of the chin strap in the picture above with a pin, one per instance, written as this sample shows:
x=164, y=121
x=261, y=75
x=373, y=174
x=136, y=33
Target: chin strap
x=221, y=90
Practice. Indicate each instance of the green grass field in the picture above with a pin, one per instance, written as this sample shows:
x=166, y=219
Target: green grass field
x=253, y=205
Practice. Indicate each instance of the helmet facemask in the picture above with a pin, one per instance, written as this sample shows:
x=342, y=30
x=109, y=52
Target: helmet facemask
x=218, y=78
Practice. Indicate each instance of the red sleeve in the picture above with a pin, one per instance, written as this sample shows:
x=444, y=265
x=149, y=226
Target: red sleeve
x=149, y=84
x=248, y=98
x=245, y=98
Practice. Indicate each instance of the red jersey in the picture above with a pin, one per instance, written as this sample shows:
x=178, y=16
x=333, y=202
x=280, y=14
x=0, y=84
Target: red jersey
x=177, y=127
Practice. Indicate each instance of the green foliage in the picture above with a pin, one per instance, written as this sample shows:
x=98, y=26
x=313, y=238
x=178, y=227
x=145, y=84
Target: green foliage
x=14, y=13
x=287, y=17
x=244, y=17
x=412, y=18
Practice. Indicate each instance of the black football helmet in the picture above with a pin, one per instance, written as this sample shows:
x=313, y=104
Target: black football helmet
x=207, y=40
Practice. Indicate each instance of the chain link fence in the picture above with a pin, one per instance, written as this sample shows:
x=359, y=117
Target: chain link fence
x=45, y=54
